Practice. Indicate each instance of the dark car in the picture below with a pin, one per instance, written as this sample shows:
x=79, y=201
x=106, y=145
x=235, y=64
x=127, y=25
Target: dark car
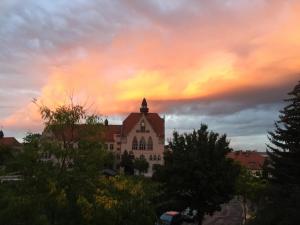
x=170, y=218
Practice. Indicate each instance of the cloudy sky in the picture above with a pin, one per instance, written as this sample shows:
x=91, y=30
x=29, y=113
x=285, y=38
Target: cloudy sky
x=225, y=63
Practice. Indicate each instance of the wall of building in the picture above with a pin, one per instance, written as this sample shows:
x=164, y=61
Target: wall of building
x=158, y=144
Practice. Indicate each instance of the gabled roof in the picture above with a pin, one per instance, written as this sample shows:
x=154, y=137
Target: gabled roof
x=9, y=141
x=250, y=159
x=156, y=122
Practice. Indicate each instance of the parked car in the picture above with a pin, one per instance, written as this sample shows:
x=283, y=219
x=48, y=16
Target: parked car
x=189, y=215
x=170, y=218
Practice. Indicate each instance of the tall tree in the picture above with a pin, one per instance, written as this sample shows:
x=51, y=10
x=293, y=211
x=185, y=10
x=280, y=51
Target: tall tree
x=197, y=173
x=59, y=169
x=283, y=205
x=127, y=162
x=141, y=165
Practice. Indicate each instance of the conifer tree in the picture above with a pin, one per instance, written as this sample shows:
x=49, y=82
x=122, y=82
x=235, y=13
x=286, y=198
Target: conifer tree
x=283, y=205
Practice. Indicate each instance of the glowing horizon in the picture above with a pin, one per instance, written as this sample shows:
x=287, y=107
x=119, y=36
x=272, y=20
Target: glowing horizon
x=204, y=58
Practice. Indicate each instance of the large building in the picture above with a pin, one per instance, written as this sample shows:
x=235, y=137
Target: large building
x=142, y=132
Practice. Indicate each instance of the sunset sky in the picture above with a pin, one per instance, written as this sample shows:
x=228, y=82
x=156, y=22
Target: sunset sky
x=225, y=63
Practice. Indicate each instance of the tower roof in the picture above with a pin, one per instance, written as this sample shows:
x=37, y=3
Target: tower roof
x=144, y=107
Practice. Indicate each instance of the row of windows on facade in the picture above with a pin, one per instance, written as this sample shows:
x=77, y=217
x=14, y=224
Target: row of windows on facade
x=142, y=145
x=151, y=157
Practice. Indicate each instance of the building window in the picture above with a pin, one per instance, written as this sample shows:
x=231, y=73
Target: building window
x=150, y=144
x=142, y=156
x=150, y=158
x=142, y=144
x=134, y=144
x=143, y=126
x=105, y=146
x=111, y=146
x=154, y=157
x=158, y=157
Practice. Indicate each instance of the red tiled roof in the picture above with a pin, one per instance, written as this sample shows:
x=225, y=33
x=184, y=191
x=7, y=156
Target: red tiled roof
x=110, y=131
x=156, y=122
x=250, y=159
x=9, y=141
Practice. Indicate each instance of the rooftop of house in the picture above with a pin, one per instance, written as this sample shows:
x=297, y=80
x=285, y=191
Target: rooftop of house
x=252, y=160
x=8, y=141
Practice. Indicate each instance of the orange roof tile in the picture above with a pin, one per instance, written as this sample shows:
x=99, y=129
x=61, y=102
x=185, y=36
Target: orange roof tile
x=9, y=141
x=156, y=122
x=249, y=159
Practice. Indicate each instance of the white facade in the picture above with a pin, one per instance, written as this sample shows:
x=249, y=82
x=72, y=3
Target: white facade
x=145, y=138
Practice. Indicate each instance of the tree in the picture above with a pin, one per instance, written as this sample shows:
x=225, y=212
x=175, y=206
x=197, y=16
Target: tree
x=283, y=203
x=251, y=189
x=197, y=173
x=127, y=162
x=126, y=200
x=141, y=165
x=59, y=169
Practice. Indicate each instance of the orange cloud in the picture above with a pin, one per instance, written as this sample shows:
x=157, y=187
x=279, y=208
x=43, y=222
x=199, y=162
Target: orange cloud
x=194, y=61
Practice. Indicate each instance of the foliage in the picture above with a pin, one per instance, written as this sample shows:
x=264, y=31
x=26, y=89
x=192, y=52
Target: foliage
x=126, y=200
x=283, y=203
x=251, y=189
x=197, y=172
x=141, y=165
x=59, y=172
x=127, y=162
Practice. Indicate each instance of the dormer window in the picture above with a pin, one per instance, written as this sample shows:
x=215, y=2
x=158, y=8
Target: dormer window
x=142, y=126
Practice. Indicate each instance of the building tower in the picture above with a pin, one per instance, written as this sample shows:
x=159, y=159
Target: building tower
x=144, y=108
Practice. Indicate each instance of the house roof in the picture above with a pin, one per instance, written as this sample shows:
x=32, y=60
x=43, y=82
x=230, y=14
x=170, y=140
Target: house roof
x=250, y=159
x=110, y=131
x=156, y=122
x=9, y=141
x=87, y=132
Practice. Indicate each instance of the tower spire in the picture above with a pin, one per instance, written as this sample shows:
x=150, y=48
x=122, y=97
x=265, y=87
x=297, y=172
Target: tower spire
x=144, y=108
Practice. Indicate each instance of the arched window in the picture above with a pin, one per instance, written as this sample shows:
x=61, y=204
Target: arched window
x=143, y=126
x=142, y=144
x=150, y=144
x=134, y=144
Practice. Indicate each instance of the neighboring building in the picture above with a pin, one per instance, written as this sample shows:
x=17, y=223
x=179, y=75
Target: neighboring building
x=142, y=132
x=10, y=142
x=9, y=147
x=252, y=160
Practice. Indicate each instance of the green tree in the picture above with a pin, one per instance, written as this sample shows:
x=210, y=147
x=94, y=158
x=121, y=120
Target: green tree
x=283, y=205
x=127, y=162
x=59, y=169
x=197, y=173
x=141, y=165
x=126, y=200
x=252, y=190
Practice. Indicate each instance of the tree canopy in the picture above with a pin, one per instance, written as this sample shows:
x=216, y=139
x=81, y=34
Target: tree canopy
x=196, y=172
x=283, y=203
x=61, y=177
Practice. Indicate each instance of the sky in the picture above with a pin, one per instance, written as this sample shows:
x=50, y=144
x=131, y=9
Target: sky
x=228, y=64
